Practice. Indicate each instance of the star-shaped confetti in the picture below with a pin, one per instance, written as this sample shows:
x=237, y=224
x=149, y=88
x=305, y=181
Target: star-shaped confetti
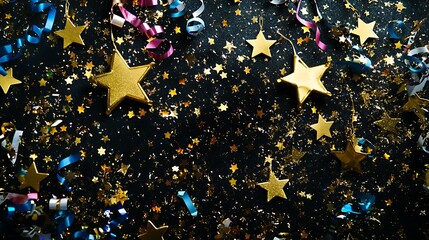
x=153, y=233
x=364, y=31
x=387, y=123
x=123, y=81
x=296, y=155
x=322, y=127
x=261, y=45
x=306, y=79
x=351, y=157
x=8, y=80
x=415, y=104
x=71, y=33
x=33, y=178
x=274, y=187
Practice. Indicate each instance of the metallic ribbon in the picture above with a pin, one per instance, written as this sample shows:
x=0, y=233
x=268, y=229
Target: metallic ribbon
x=360, y=63
x=17, y=198
x=64, y=219
x=64, y=163
x=144, y=28
x=195, y=25
x=311, y=25
x=115, y=223
x=423, y=142
x=391, y=29
x=33, y=34
x=14, y=145
x=148, y=3
x=366, y=201
x=176, y=8
x=58, y=204
x=188, y=202
x=348, y=209
x=365, y=143
x=277, y=2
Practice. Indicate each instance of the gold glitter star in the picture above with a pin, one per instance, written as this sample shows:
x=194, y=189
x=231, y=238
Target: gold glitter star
x=274, y=187
x=123, y=81
x=364, y=31
x=415, y=104
x=8, y=80
x=261, y=45
x=71, y=33
x=387, y=123
x=296, y=155
x=306, y=79
x=153, y=233
x=322, y=127
x=33, y=178
x=350, y=158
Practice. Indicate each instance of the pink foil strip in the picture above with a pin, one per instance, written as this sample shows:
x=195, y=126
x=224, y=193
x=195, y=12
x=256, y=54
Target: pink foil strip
x=149, y=32
x=148, y=3
x=21, y=198
x=311, y=25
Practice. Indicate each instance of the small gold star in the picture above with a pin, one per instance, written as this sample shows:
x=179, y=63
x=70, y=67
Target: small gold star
x=364, y=31
x=153, y=233
x=261, y=45
x=33, y=178
x=8, y=80
x=71, y=33
x=274, y=187
x=322, y=127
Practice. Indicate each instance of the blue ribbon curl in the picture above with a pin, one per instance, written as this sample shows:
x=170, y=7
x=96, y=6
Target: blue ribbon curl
x=188, y=202
x=64, y=163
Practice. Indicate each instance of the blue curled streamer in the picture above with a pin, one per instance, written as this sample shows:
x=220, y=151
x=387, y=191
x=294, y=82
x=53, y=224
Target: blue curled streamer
x=195, y=25
x=391, y=28
x=176, y=8
x=360, y=63
x=366, y=201
x=64, y=219
x=188, y=202
x=116, y=222
x=33, y=34
x=64, y=163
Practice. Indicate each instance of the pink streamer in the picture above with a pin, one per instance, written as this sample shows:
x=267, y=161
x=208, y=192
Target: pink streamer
x=20, y=198
x=311, y=25
x=149, y=32
x=148, y=3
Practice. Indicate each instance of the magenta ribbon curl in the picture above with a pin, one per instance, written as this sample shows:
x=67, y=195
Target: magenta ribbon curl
x=312, y=26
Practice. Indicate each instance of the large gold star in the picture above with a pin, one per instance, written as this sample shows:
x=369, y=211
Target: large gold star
x=123, y=81
x=322, y=127
x=364, y=31
x=7, y=81
x=33, y=178
x=387, y=123
x=306, y=79
x=71, y=33
x=351, y=157
x=153, y=233
x=274, y=187
x=415, y=104
x=261, y=45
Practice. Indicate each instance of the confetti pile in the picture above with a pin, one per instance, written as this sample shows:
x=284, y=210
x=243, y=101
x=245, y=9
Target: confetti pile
x=249, y=130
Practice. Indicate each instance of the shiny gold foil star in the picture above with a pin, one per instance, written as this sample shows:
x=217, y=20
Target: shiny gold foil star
x=364, y=31
x=415, y=104
x=261, y=45
x=351, y=157
x=306, y=79
x=123, y=81
x=296, y=155
x=387, y=123
x=33, y=178
x=71, y=33
x=7, y=81
x=274, y=187
x=153, y=233
x=322, y=127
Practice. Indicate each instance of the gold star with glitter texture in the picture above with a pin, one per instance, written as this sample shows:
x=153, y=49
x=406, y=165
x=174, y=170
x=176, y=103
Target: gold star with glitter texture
x=322, y=127
x=8, y=80
x=274, y=187
x=33, y=178
x=364, y=31
x=351, y=157
x=387, y=123
x=153, y=233
x=261, y=45
x=415, y=104
x=306, y=79
x=71, y=33
x=123, y=81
